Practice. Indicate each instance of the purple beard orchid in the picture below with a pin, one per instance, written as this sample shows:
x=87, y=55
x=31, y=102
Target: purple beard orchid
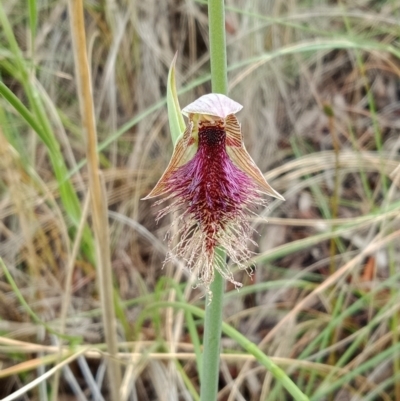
x=214, y=184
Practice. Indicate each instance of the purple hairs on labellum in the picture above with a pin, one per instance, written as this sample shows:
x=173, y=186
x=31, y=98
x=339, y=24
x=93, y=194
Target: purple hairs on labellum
x=214, y=184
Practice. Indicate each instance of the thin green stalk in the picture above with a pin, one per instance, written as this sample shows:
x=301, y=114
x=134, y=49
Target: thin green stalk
x=21, y=109
x=212, y=338
x=328, y=110
x=33, y=14
x=213, y=320
x=216, y=23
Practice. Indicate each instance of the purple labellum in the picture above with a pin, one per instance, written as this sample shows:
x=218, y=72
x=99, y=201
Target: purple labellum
x=213, y=190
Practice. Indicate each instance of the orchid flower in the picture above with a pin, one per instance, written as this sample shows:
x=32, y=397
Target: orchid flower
x=214, y=184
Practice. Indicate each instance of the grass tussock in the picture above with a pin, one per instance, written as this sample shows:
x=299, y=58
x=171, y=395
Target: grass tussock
x=319, y=82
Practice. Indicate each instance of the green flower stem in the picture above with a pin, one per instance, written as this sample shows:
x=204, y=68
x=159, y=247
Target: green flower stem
x=216, y=26
x=212, y=337
x=213, y=320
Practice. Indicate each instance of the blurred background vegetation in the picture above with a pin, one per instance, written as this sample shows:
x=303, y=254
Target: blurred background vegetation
x=319, y=81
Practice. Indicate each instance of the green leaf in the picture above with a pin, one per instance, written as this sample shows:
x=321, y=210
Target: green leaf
x=176, y=123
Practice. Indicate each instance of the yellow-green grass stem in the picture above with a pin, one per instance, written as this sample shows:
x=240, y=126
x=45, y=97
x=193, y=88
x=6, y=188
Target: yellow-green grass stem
x=98, y=195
